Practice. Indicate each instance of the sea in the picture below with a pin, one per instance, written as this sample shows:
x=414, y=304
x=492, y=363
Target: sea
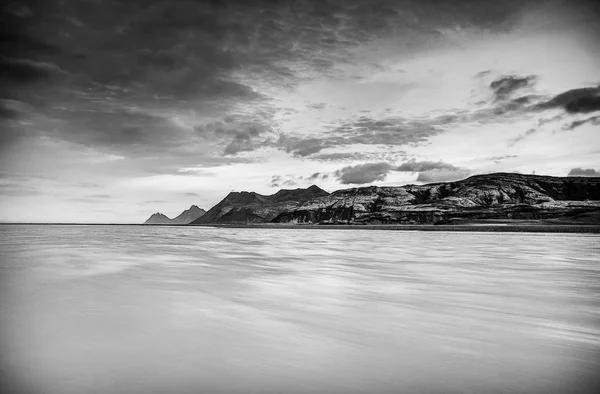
x=149, y=309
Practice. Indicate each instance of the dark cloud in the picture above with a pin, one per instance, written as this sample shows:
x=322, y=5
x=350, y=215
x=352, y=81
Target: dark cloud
x=595, y=120
x=27, y=71
x=8, y=110
x=119, y=128
x=19, y=10
x=507, y=85
x=129, y=68
x=433, y=171
x=364, y=130
x=417, y=166
x=574, y=101
x=303, y=146
x=584, y=104
x=443, y=175
x=243, y=135
x=583, y=172
x=239, y=144
x=388, y=131
x=363, y=173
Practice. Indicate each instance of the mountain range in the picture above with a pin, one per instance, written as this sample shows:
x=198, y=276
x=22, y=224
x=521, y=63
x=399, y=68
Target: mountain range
x=503, y=196
x=185, y=217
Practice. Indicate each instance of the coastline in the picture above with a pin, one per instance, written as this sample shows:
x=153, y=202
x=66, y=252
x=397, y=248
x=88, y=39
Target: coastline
x=473, y=227
x=476, y=227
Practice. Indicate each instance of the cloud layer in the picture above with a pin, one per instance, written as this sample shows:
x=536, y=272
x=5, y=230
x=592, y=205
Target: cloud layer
x=363, y=173
x=189, y=99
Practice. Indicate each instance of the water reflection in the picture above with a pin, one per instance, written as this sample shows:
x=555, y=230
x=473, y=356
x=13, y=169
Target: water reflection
x=154, y=310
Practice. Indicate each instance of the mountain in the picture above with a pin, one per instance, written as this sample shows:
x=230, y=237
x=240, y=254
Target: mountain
x=158, y=218
x=250, y=207
x=185, y=217
x=189, y=215
x=491, y=196
x=500, y=196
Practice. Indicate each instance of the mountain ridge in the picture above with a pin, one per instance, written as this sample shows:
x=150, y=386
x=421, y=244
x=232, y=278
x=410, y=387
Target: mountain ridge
x=257, y=208
x=507, y=196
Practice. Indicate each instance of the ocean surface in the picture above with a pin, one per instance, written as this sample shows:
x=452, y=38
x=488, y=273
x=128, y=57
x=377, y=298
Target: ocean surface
x=133, y=309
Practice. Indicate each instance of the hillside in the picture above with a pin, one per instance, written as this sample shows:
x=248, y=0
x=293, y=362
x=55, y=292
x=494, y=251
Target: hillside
x=250, y=207
x=497, y=196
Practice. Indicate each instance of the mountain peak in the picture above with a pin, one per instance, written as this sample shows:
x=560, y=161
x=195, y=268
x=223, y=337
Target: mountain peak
x=314, y=188
x=185, y=217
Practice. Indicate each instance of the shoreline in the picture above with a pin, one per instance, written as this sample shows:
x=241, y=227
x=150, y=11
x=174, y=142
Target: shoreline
x=472, y=227
x=496, y=227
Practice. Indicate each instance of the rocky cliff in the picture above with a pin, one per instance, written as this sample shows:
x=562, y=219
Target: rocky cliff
x=492, y=196
x=185, y=217
x=250, y=207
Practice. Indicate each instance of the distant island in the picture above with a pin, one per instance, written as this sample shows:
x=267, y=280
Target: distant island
x=500, y=198
x=185, y=217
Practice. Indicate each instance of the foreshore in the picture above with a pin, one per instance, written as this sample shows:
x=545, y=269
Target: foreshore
x=473, y=227
x=476, y=227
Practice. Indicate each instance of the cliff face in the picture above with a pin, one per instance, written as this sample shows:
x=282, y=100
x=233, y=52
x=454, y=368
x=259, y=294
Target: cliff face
x=250, y=207
x=492, y=196
x=185, y=217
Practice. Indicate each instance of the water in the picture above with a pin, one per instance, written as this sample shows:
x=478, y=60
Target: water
x=130, y=309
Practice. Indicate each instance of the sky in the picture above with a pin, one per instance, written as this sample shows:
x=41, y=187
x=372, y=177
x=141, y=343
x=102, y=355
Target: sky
x=112, y=110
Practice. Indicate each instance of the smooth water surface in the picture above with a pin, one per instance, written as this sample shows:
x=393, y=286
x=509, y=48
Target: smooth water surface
x=133, y=309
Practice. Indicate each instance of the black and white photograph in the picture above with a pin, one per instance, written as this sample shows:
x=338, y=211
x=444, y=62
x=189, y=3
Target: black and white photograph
x=299, y=197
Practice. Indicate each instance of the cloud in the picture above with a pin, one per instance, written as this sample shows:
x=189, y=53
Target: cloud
x=284, y=180
x=580, y=100
x=595, y=120
x=363, y=173
x=11, y=109
x=417, y=166
x=119, y=128
x=583, y=172
x=443, y=175
x=27, y=71
x=303, y=146
x=499, y=159
x=19, y=10
x=364, y=130
x=433, y=171
x=318, y=175
x=245, y=134
x=505, y=86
